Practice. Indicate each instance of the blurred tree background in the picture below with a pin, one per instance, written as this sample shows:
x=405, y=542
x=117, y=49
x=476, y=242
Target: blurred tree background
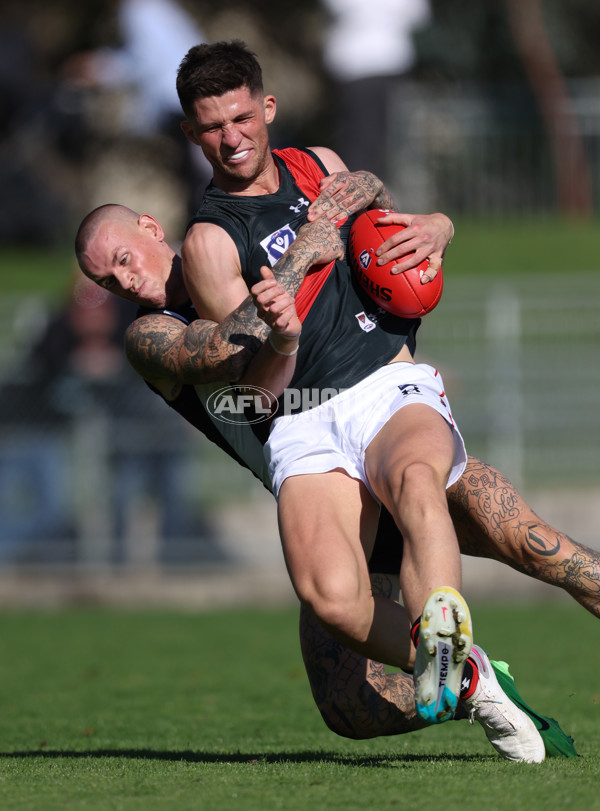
x=57, y=131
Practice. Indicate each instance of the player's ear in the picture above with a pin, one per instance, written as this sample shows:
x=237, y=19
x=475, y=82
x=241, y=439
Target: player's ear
x=149, y=224
x=270, y=108
x=188, y=131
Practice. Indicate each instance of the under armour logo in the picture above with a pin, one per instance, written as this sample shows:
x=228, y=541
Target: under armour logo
x=301, y=203
x=409, y=388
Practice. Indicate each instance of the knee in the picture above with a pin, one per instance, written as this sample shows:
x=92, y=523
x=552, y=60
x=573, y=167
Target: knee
x=339, y=724
x=364, y=710
x=348, y=712
x=340, y=605
x=419, y=477
x=419, y=487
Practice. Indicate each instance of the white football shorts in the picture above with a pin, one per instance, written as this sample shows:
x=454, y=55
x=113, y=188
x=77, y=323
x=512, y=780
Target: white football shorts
x=337, y=433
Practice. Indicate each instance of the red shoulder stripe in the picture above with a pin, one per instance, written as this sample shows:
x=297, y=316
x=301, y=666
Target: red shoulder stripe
x=308, y=175
x=306, y=172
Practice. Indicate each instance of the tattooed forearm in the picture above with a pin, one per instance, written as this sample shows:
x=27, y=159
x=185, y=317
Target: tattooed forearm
x=362, y=190
x=317, y=242
x=346, y=193
x=152, y=346
x=291, y=268
x=385, y=200
x=231, y=346
x=163, y=348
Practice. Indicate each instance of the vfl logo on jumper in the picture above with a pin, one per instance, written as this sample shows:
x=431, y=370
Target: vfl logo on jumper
x=246, y=404
x=365, y=259
x=365, y=322
x=409, y=388
x=301, y=203
x=277, y=243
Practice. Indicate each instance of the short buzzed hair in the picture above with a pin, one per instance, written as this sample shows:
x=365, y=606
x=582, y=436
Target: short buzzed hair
x=212, y=69
x=89, y=226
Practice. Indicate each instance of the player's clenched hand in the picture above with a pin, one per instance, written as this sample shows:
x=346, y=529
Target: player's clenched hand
x=345, y=193
x=275, y=306
x=425, y=236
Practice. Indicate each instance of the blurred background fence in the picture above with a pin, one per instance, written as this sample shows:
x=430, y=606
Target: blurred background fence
x=95, y=472
x=482, y=152
x=99, y=472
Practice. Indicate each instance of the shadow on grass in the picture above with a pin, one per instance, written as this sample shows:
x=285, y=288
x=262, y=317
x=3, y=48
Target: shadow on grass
x=251, y=759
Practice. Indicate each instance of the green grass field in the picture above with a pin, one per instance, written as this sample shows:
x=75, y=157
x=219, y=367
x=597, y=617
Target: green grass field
x=109, y=710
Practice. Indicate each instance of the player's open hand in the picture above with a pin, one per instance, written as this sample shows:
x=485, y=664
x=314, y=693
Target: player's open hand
x=425, y=236
x=275, y=306
x=343, y=194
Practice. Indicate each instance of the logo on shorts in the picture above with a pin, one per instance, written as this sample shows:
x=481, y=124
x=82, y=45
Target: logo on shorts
x=244, y=404
x=409, y=388
x=365, y=322
x=277, y=243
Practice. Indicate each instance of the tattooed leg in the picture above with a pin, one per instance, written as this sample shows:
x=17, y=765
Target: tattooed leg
x=355, y=696
x=493, y=521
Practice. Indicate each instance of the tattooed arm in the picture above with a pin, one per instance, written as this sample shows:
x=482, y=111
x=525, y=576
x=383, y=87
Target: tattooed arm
x=424, y=235
x=344, y=193
x=169, y=354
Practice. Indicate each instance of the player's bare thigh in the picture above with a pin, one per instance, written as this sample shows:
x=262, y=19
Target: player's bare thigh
x=414, y=434
x=327, y=524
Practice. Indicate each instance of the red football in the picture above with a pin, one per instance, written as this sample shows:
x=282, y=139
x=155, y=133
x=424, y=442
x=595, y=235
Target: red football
x=402, y=293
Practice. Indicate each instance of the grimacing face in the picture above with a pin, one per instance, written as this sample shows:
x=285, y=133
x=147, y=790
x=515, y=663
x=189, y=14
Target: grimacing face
x=232, y=132
x=131, y=260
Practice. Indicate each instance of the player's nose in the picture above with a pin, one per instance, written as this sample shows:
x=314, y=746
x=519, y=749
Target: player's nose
x=126, y=279
x=231, y=136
